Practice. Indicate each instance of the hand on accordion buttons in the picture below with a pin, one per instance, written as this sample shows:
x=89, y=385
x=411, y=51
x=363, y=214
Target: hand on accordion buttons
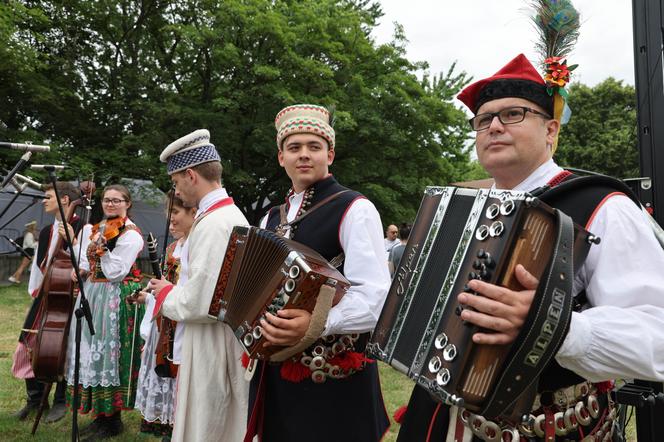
x=288, y=328
x=499, y=310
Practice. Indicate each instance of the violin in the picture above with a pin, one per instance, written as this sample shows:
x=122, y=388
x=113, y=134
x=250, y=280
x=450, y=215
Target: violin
x=108, y=229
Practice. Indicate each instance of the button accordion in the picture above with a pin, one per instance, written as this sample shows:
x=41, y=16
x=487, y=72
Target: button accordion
x=462, y=234
x=264, y=272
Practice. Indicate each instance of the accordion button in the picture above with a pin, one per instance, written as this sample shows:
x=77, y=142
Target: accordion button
x=435, y=364
x=441, y=341
x=473, y=275
x=496, y=229
x=458, y=310
x=477, y=264
x=482, y=254
x=318, y=376
x=482, y=232
x=507, y=207
x=450, y=352
x=492, y=211
x=489, y=262
x=317, y=363
x=443, y=377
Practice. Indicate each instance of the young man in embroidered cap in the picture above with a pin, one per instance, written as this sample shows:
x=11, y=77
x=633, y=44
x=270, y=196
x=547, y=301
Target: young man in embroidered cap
x=290, y=400
x=620, y=330
x=211, y=403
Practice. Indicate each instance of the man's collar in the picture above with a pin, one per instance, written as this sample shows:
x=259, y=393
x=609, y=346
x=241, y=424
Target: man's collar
x=210, y=198
x=542, y=175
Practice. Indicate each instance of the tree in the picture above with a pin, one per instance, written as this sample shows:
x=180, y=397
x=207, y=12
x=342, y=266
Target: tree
x=601, y=135
x=122, y=79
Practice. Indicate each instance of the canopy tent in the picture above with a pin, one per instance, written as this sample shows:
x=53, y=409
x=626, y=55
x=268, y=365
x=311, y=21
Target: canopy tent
x=147, y=212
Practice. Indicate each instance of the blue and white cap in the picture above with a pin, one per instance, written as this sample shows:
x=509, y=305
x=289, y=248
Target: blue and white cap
x=189, y=151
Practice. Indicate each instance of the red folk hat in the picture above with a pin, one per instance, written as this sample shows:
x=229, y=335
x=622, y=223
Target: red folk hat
x=518, y=78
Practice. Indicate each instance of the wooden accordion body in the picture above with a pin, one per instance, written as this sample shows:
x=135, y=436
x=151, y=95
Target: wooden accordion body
x=458, y=235
x=263, y=272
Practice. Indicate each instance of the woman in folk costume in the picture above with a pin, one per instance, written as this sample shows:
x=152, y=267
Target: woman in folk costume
x=110, y=359
x=155, y=395
x=212, y=393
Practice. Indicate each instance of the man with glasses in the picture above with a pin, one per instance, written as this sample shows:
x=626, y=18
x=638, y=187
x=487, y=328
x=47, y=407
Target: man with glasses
x=618, y=332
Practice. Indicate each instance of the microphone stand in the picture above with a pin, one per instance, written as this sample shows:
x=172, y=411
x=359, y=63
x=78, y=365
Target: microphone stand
x=20, y=249
x=34, y=201
x=83, y=311
x=19, y=189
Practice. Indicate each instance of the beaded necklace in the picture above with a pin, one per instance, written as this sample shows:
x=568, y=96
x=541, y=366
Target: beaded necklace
x=284, y=227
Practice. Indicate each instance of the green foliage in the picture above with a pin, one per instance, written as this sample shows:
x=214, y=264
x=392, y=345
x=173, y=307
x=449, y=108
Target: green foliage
x=116, y=81
x=601, y=135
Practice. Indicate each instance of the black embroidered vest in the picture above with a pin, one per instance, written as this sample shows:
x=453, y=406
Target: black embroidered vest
x=320, y=230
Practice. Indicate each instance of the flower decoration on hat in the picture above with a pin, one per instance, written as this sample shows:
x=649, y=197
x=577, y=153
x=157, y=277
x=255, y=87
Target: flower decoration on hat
x=558, y=23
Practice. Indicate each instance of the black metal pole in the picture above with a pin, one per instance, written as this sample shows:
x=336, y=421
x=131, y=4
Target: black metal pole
x=83, y=310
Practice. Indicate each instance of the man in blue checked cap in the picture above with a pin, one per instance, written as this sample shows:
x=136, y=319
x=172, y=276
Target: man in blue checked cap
x=212, y=393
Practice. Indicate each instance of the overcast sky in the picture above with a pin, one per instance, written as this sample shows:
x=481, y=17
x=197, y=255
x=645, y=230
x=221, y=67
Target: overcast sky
x=483, y=35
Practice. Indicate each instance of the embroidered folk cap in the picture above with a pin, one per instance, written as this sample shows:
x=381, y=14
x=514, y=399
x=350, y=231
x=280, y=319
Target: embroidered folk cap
x=518, y=78
x=304, y=118
x=189, y=151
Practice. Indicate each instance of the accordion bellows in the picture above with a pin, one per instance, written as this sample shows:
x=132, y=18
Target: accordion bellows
x=263, y=272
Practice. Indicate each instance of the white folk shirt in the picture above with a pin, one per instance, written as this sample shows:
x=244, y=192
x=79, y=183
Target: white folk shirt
x=622, y=334
x=36, y=275
x=212, y=394
x=365, y=266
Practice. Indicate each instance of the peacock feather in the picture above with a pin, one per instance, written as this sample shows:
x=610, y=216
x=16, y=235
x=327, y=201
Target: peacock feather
x=557, y=22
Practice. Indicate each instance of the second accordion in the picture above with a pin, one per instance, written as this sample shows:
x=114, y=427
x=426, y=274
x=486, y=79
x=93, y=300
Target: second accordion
x=264, y=272
x=463, y=234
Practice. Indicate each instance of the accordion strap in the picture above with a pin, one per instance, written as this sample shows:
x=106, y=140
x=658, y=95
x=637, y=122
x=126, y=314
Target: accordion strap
x=316, y=325
x=546, y=325
x=282, y=209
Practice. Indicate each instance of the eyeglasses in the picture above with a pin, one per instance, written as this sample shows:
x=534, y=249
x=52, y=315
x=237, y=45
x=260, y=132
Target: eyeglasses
x=113, y=201
x=510, y=115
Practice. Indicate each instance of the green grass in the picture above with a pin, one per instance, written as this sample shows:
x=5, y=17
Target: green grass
x=14, y=303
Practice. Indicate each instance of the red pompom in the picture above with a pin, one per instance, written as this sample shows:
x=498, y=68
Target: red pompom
x=603, y=387
x=399, y=414
x=294, y=371
x=349, y=360
x=245, y=360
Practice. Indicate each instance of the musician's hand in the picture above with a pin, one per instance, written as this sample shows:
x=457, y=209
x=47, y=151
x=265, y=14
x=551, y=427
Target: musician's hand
x=501, y=310
x=137, y=297
x=61, y=232
x=83, y=275
x=288, y=328
x=157, y=285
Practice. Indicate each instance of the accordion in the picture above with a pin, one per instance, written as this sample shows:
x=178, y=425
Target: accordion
x=462, y=234
x=264, y=272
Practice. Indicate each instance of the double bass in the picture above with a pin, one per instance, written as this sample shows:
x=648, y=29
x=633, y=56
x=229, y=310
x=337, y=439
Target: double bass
x=57, y=290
